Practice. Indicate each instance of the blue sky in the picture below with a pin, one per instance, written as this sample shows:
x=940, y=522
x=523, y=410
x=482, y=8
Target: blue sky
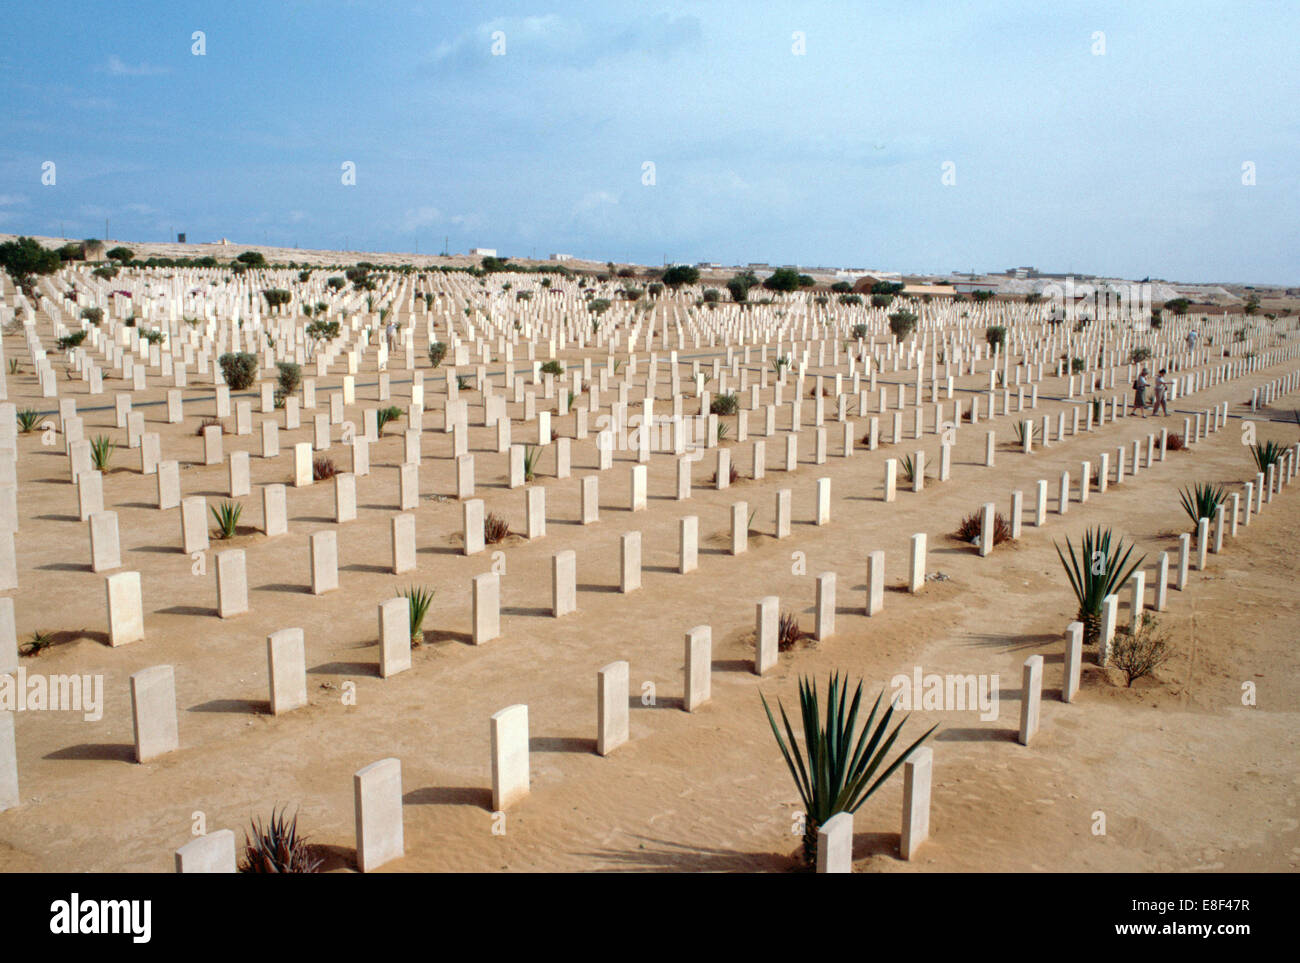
x=1127, y=162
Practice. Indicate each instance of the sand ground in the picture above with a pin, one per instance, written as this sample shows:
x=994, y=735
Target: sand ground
x=1188, y=778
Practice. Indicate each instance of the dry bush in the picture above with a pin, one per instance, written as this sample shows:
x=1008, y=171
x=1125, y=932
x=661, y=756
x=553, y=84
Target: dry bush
x=788, y=632
x=1174, y=443
x=1141, y=653
x=972, y=525
x=495, y=529
x=323, y=469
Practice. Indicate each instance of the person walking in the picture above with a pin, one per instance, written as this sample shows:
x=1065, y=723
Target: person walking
x=1162, y=394
x=391, y=333
x=1140, y=392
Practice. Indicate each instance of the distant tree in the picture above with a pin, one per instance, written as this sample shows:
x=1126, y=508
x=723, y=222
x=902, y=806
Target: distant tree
x=1178, y=306
x=680, y=274
x=655, y=289
x=854, y=299
x=886, y=287
x=1251, y=306
x=276, y=297
x=712, y=296
x=598, y=305
x=806, y=280
x=841, y=287
x=881, y=300
x=995, y=334
x=120, y=254
x=249, y=258
x=982, y=295
x=336, y=283
x=739, y=290
x=782, y=279
x=1033, y=297
x=25, y=257
x=72, y=251
x=901, y=324
x=304, y=276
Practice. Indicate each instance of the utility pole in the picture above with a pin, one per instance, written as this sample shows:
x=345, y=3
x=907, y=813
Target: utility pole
x=105, y=230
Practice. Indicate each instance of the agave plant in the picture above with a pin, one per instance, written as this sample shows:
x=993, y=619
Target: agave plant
x=1018, y=429
x=839, y=771
x=384, y=415
x=1097, y=569
x=1202, y=501
x=724, y=429
x=532, y=454
x=101, y=452
x=28, y=420
x=227, y=518
x=41, y=639
x=419, y=600
x=1266, y=454
x=908, y=468
x=276, y=847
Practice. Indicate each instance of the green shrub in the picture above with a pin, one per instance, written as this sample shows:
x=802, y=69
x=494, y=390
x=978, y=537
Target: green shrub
x=995, y=334
x=901, y=323
x=437, y=351
x=239, y=369
x=724, y=404
x=120, y=254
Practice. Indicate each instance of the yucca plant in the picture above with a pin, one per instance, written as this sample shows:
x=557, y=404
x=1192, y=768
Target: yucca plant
x=1018, y=429
x=13, y=366
x=419, y=599
x=227, y=518
x=836, y=772
x=1202, y=501
x=532, y=455
x=276, y=847
x=101, y=452
x=908, y=468
x=28, y=420
x=1097, y=569
x=724, y=429
x=462, y=382
x=1268, y=453
x=384, y=415
x=40, y=640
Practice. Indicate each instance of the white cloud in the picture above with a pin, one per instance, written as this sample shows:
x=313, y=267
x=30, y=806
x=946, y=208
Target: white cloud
x=118, y=68
x=418, y=217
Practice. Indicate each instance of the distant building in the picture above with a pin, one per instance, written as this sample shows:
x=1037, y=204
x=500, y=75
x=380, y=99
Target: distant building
x=180, y=238
x=709, y=265
x=971, y=285
x=483, y=252
x=557, y=257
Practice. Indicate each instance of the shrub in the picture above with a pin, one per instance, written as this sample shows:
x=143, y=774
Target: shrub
x=70, y=341
x=437, y=351
x=252, y=259
x=1140, y=653
x=598, y=306
x=208, y=423
x=1076, y=366
x=880, y=300
x=495, y=529
x=239, y=369
x=1096, y=570
x=26, y=256
x=276, y=297
x=788, y=632
x=972, y=527
x=227, y=518
x=724, y=404
x=860, y=331
x=276, y=847
x=553, y=367
x=901, y=324
x=384, y=415
x=152, y=336
x=712, y=296
x=418, y=601
x=107, y=272
x=120, y=254
x=834, y=772
x=323, y=469
x=288, y=379
x=1202, y=500
x=783, y=279
x=28, y=420
x=93, y=315
x=1174, y=443
x=1139, y=354
x=336, y=283
x=655, y=289
x=40, y=640
x=532, y=455
x=733, y=474
x=322, y=331
x=1018, y=429
x=995, y=334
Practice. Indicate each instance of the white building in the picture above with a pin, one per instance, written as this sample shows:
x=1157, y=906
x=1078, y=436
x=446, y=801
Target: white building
x=483, y=252
x=561, y=257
